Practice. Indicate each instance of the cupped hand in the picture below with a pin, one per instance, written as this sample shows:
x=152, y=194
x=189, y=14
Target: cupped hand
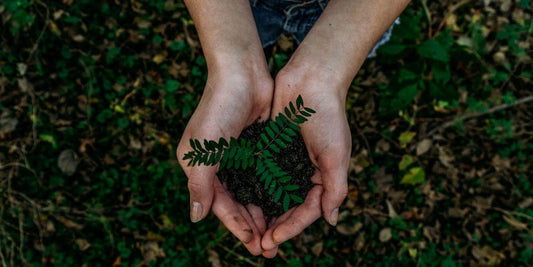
x=327, y=137
x=230, y=102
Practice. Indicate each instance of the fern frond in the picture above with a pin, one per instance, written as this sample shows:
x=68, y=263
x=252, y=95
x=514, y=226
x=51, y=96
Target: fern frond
x=232, y=154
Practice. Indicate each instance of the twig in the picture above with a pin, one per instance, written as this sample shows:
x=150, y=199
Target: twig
x=479, y=114
x=450, y=11
x=239, y=256
x=36, y=45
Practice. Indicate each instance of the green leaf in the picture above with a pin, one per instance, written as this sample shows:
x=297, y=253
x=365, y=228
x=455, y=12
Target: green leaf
x=278, y=195
x=263, y=136
x=296, y=198
x=305, y=113
x=286, y=138
x=259, y=145
x=272, y=188
x=274, y=148
x=293, y=109
x=267, y=182
x=198, y=145
x=274, y=126
x=282, y=118
x=301, y=118
x=406, y=161
x=432, y=49
x=299, y=101
x=269, y=132
x=294, y=126
x=244, y=163
x=286, y=202
x=232, y=152
x=290, y=131
x=310, y=110
x=284, y=179
x=193, y=145
x=287, y=112
x=280, y=143
x=415, y=176
x=405, y=138
x=218, y=156
x=222, y=142
x=267, y=154
x=291, y=187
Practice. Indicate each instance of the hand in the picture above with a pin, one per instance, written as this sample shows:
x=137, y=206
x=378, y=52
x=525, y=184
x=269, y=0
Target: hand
x=232, y=100
x=328, y=140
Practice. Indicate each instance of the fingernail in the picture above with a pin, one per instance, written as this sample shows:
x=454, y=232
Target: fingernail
x=334, y=216
x=196, y=213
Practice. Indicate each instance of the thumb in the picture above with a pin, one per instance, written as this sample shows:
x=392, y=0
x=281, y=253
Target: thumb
x=201, y=191
x=335, y=190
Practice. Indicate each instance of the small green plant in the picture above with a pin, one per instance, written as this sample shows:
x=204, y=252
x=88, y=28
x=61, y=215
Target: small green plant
x=244, y=154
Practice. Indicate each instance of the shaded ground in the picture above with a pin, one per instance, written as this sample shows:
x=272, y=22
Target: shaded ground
x=94, y=97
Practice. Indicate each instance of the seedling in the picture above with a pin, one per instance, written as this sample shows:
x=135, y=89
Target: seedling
x=242, y=154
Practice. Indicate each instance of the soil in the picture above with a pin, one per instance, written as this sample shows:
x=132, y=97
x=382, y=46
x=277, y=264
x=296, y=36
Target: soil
x=246, y=186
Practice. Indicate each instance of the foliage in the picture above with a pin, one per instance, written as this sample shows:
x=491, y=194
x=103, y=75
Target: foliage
x=116, y=81
x=244, y=154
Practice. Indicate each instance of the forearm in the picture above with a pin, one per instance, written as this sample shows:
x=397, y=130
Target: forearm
x=228, y=34
x=341, y=39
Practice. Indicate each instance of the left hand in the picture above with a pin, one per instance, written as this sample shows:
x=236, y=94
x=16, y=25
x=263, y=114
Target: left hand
x=327, y=137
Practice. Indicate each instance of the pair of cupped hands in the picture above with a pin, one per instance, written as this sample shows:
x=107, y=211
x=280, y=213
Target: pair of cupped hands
x=235, y=97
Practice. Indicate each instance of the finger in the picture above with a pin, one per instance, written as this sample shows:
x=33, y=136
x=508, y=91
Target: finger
x=335, y=184
x=228, y=213
x=303, y=216
x=291, y=224
x=267, y=242
x=201, y=191
x=258, y=217
x=254, y=246
x=269, y=254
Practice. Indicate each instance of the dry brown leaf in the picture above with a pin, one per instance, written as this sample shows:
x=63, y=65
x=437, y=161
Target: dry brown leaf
x=385, y=234
x=423, y=146
x=317, y=248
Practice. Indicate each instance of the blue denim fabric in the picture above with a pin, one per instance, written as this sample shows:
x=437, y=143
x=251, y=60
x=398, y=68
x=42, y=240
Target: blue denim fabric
x=296, y=17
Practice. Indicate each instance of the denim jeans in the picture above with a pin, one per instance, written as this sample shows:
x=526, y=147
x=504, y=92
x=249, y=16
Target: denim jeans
x=296, y=17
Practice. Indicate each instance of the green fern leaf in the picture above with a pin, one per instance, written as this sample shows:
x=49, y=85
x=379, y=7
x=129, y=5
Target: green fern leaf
x=290, y=131
x=296, y=198
x=199, y=146
x=284, y=179
x=280, y=143
x=286, y=138
x=267, y=154
x=274, y=148
x=269, y=132
x=293, y=109
x=310, y=110
x=259, y=145
x=290, y=187
x=294, y=126
x=272, y=187
x=265, y=139
x=305, y=113
x=222, y=142
x=286, y=202
x=193, y=145
x=277, y=196
x=287, y=112
x=299, y=101
x=274, y=126
x=283, y=119
x=267, y=181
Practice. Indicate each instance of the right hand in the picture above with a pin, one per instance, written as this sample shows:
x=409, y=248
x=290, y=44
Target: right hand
x=231, y=101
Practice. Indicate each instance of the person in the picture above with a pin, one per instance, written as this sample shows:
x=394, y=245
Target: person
x=334, y=39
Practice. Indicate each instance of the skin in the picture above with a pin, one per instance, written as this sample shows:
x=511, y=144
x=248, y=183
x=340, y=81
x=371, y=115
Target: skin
x=239, y=90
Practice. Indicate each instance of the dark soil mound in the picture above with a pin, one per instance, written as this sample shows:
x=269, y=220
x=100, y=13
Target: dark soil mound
x=246, y=185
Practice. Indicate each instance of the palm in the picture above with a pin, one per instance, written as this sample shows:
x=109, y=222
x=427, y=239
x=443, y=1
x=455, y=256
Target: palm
x=226, y=108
